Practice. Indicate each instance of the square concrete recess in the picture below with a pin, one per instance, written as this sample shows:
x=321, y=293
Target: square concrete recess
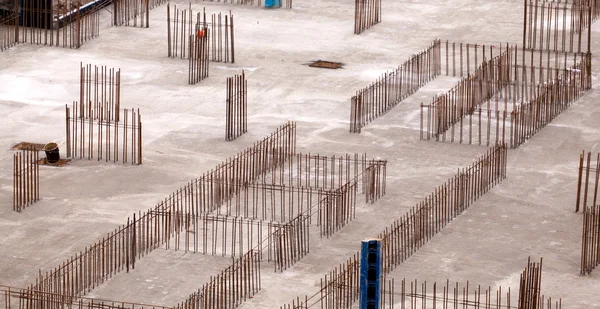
x=326, y=64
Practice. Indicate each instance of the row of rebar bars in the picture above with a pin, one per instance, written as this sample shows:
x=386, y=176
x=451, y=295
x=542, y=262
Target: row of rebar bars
x=18, y=298
x=463, y=59
x=291, y=242
x=274, y=198
x=230, y=288
x=338, y=289
x=590, y=240
x=97, y=137
x=586, y=201
x=9, y=26
x=120, y=249
x=284, y=243
x=221, y=33
x=558, y=25
x=552, y=99
x=418, y=295
x=332, y=181
x=278, y=203
x=236, y=110
x=214, y=234
x=583, y=181
x=367, y=13
x=537, y=96
x=282, y=3
x=472, y=91
x=124, y=11
x=326, y=172
x=530, y=286
x=337, y=209
x=153, y=228
x=412, y=231
x=199, y=51
x=99, y=91
x=390, y=89
x=26, y=179
x=69, y=30
x=409, y=233
x=282, y=192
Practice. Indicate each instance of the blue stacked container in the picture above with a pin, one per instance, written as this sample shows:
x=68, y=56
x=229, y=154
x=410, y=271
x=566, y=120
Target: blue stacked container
x=370, y=274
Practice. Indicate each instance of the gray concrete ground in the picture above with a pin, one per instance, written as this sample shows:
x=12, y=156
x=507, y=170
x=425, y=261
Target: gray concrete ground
x=529, y=214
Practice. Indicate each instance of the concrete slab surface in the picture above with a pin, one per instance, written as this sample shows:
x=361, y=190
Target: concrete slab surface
x=531, y=213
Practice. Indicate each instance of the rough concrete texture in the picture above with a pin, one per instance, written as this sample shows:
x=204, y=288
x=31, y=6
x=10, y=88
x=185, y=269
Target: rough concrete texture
x=529, y=214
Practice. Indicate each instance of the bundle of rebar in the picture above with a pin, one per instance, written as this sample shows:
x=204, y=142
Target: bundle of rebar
x=367, y=13
x=590, y=240
x=181, y=24
x=589, y=196
x=236, y=110
x=198, y=51
x=530, y=286
x=26, y=179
